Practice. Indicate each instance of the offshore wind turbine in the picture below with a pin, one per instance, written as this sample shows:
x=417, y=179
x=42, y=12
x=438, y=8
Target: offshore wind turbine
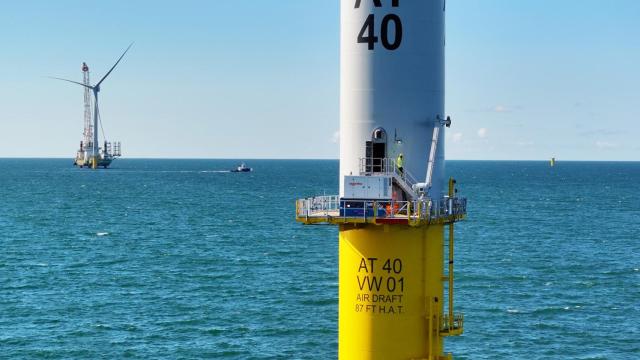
x=391, y=236
x=93, y=158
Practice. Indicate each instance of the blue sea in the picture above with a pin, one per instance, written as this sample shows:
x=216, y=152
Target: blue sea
x=180, y=259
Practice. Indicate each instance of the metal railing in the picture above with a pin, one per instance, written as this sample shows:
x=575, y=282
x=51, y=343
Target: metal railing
x=384, y=166
x=452, y=327
x=328, y=208
x=112, y=150
x=324, y=203
x=117, y=149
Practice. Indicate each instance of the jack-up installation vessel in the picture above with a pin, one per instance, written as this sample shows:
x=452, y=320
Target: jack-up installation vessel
x=90, y=154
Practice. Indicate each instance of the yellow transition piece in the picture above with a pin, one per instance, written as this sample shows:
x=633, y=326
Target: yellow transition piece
x=390, y=292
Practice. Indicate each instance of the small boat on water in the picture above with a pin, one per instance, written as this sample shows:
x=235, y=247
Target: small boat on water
x=242, y=168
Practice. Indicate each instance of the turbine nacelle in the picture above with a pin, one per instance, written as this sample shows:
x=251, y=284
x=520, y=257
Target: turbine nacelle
x=96, y=87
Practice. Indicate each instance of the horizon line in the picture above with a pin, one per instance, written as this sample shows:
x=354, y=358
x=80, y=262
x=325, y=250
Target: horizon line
x=292, y=159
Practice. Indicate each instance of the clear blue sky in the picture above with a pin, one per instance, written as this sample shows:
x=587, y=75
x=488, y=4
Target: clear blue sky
x=259, y=79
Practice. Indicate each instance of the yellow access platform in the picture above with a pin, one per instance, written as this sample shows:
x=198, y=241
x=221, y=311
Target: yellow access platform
x=392, y=280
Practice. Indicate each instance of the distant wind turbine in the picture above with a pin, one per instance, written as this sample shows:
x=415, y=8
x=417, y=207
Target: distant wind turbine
x=96, y=89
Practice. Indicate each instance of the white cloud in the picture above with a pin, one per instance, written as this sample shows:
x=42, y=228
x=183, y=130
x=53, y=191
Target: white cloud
x=606, y=145
x=482, y=133
x=335, y=138
x=501, y=109
x=457, y=137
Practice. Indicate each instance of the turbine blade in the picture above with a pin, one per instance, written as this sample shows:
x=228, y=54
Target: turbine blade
x=114, y=66
x=71, y=81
